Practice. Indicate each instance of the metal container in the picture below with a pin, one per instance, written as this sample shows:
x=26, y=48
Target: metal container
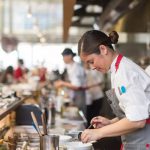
x=49, y=142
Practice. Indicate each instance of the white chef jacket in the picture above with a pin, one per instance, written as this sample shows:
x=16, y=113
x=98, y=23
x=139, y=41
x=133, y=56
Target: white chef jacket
x=132, y=88
x=148, y=70
x=93, y=77
x=76, y=74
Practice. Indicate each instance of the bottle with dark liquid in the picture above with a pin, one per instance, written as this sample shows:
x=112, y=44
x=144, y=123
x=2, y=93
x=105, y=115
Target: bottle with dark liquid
x=52, y=110
x=53, y=114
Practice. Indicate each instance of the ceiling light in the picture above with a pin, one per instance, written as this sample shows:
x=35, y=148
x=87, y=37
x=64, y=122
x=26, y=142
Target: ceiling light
x=29, y=14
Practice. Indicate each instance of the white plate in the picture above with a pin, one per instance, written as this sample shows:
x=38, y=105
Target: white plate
x=78, y=146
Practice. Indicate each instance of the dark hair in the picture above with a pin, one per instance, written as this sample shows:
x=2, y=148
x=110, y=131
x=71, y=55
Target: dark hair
x=9, y=70
x=21, y=61
x=68, y=51
x=90, y=41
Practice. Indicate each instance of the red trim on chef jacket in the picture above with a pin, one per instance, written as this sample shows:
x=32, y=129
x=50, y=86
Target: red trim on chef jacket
x=119, y=58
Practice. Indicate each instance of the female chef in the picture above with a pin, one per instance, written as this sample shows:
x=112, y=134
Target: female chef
x=129, y=96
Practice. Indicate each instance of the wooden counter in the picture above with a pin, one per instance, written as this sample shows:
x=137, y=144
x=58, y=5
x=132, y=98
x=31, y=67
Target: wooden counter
x=13, y=106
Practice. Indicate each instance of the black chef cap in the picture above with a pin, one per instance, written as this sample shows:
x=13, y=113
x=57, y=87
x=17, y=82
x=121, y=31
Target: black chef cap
x=68, y=51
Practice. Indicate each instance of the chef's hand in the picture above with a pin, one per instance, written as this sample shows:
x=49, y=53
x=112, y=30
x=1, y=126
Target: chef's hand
x=100, y=121
x=90, y=135
x=58, y=83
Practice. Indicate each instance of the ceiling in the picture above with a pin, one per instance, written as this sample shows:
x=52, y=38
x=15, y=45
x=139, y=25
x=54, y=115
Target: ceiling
x=33, y=21
x=45, y=25
x=122, y=15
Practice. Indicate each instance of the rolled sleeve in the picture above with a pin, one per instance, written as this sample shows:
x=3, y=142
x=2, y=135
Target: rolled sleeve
x=136, y=113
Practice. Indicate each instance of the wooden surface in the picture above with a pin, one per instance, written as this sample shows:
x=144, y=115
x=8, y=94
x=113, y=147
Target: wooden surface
x=68, y=9
x=12, y=107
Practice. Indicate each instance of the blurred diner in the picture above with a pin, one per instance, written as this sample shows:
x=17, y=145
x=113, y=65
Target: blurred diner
x=8, y=75
x=19, y=71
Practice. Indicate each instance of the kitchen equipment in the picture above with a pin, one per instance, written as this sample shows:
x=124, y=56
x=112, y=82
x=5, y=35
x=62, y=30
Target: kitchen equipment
x=49, y=142
x=78, y=146
x=43, y=118
x=36, y=123
x=74, y=134
x=63, y=139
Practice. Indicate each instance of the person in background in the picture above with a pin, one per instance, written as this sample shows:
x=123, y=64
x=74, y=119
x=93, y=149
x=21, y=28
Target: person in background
x=129, y=96
x=19, y=72
x=8, y=75
x=94, y=92
x=42, y=72
x=76, y=79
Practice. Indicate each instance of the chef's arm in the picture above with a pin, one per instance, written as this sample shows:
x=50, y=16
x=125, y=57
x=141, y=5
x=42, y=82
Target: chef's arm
x=94, y=85
x=114, y=120
x=121, y=127
x=70, y=86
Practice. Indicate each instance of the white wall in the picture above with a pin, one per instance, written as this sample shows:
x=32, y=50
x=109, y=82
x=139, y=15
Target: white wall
x=36, y=54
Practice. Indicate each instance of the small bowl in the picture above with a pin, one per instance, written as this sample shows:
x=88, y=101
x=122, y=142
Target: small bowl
x=64, y=138
x=74, y=134
x=78, y=146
